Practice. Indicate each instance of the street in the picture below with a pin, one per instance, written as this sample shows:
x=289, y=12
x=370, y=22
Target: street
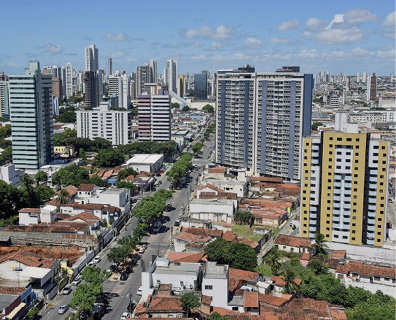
x=158, y=244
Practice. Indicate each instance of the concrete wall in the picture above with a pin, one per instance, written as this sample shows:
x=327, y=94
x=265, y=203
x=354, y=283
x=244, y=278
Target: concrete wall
x=219, y=291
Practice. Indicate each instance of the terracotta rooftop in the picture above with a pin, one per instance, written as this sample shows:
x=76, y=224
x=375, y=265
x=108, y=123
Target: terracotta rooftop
x=192, y=237
x=108, y=174
x=206, y=300
x=273, y=300
x=267, y=179
x=305, y=256
x=292, y=241
x=86, y=187
x=229, y=236
x=71, y=190
x=85, y=216
x=164, y=303
x=56, y=227
x=211, y=186
x=234, y=284
x=101, y=173
x=243, y=275
x=186, y=256
x=338, y=254
x=28, y=258
x=366, y=270
x=279, y=281
x=247, y=241
x=204, y=232
x=250, y=299
x=28, y=210
x=12, y=290
x=216, y=170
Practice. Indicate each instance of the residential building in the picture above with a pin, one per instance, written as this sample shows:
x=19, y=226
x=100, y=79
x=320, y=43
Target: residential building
x=119, y=87
x=372, y=88
x=69, y=80
x=293, y=244
x=200, y=86
x=143, y=76
x=171, y=75
x=46, y=213
x=31, y=118
x=154, y=118
x=213, y=209
x=345, y=187
x=91, y=98
x=9, y=174
x=153, y=71
x=110, y=67
x=4, y=98
x=104, y=123
x=261, y=119
x=364, y=116
x=91, y=58
x=215, y=283
x=146, y=162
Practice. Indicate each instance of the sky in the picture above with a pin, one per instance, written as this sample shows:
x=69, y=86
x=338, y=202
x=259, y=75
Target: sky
x=346, y=36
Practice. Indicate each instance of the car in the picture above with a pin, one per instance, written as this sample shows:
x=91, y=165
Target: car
x=144, y=246
x=78, y=277
x=141, y=250
x=67, y=289
x=128, y=269
x=76, y=281
x=112, y=268
x=139, y=291
x=177, y=223
x=97, y=259
x=91, y=264
x=124, y=276
x=125, y=315
x=63, y=308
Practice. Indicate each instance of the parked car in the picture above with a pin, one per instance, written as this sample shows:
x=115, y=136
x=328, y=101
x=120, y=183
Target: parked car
x=177, y=223
x=128, y=269
x=139, y=291
x=124, y=276
x=76, y=281
x=112, y=268
x=97, y=259
x=91, y=264
x=63, y=308
x=125, y=316
x=67, y=289
x=144, y=246
x=141, y=250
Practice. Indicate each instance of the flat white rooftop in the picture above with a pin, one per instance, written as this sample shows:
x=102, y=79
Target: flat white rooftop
x=145, y=159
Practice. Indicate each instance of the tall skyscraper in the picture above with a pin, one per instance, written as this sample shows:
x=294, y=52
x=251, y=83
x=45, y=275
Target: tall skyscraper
x=91, y=98
x=261, y=119
x=373, y=87
x=31, y=118
x=91, y=58
x=358, y=77
x=154, y=117
x=364, y=79
x=200, y=86
x=142, y=77
x=69, y=79
x=344, y=187
x=171, y=75
x=126, y=98
x=110, y=67
x=4, y=98
x=153, y=71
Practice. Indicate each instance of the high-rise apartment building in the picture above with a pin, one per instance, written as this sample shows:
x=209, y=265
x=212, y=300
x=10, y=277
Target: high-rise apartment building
x=201, y=86
x=154, y=117
x=344, y=187
x=69, y=79
x=372, y=88
x=153, y=71
x=91, y=58
x=110, y=67
x=142, y=77
x=126, y=98
x=102, y=122
x=261, y=119
x=31, y=118
x=119, y=86
x=171, y=75
x=4, y=98
x=91, y=98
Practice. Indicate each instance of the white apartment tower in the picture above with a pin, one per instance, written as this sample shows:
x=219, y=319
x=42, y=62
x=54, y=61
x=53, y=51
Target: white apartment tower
x=261, y=119
x=31, y=118
x=119, y=86
x=154, y=117
x=153, y=71
x=91, y=58
x=69, y=79
x=171, y=75
x=102, y=122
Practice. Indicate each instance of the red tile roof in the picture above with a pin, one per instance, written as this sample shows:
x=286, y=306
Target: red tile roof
x=108, y=174
x=86, y=187
x=250, y=299
x=186, y=256
x=216, y=170
x=71, y=190
x=12, y=290
x=338, y=254
x=28, y=258
x=211, y=186
x=229, y=236
x=243, y=274
x=85, y=216
x=292, y=241
x=204, y=232
x=249, y=242
x=305, y=256
x=272, y=300
x=206, y=300
x=192, y=237
x=28, y=210
x=279, y=281
x=366, y=270
x=164, y=303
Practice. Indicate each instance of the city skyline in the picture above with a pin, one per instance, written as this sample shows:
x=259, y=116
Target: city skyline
x=346, y=37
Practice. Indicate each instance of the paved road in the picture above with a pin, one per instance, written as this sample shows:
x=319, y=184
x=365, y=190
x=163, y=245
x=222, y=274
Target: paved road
x=158, y=244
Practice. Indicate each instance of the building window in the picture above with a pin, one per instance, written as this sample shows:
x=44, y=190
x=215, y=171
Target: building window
x=208, y=287
x=235, y=308
x=353, y=238
x=377, y=278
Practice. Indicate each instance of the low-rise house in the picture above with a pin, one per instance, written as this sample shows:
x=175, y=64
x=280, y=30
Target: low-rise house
x=146, y=162
x=368, y=277
x=209, y=191
x=101, y=211
x=242, y=278
x=85, y=217
x=85, y=191
x=304, y=259
x=10, y=175
x=15, y=302
x=194, y=239
x=215, y=284
x=30, y=216
x=117, y=197
x=188, y=222
x=292, y=244
x=213, y=209
x=279, y=283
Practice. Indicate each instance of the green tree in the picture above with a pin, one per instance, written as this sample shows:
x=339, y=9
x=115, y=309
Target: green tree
x=102, y=183
x=82, y=154
x=243, y=217
x=127, y=185
x=93, y=275
x=84, y=297
x=63, y=196
x=163, y=194
x=32, y=313
x=273, y=259
x=109, y=158
x=241, y=256
x=67, y=117
x=208, y=108
x=288, y=277
x=10, y=200
x=190, y=301
x=319, y=245
x=315, y=125
x=216, y=250
x=117, y=255
x=150, y=209
x=216, y=316
x=196, y=148
x=186, y=108
x=70, y=175
x=126, y=173
x=41, y=176
x=43, y=194
x=175, y=105
x=318, y=267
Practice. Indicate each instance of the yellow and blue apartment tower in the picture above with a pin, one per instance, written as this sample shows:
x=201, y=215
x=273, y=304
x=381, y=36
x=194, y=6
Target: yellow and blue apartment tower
x=344, y=187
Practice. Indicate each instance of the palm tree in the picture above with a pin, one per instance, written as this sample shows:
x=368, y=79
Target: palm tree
x=319, y=246
x=272, y=259
x=63, y=196
x=289, y=277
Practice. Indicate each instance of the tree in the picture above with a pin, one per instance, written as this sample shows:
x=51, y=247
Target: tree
x=216, y=316
x=10, y=200
x=41, y=176
x=81, y=154
x=315, y=125
x=32, y=313
x=150, y=209
x=243, y=217
x=288, y=277
x=216, y=250
x=93, y=275
x=319, y=245
x=109, y=158
x=84, y=297
x=196, y=148
x=126, y=173
x=190, y=301
x=318, y=267
x=186, y=108
x=273, y=259
x=71, y=175
x=98, y=181
x=163, y=194
x=208, y=108
x=126, y=184
x=117, y=255
x=175, y=105
x=63, y=196
x=68, y=116
x=241, y=256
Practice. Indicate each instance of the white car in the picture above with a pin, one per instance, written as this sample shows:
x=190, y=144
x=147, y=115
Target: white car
x=125, y=316
x=92, y=264
x=141, y=250
x=97, y=259
x=139, y=291
x=76, y=281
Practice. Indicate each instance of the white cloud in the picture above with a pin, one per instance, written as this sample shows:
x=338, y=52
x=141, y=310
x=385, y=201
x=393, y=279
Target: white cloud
x=310, y=54
x=117, y=54
x=357, y=16
x=390, y=20
x=387, y=54
x=314, y=24
x=116, y=37
x=338, y=36
x=221, y=32
x=130, y=60
x=12, y=64
x=253, y=42
x=216, y=45
x=280, y=40
x=288, y=25
x=53, y=48
x=390, y=33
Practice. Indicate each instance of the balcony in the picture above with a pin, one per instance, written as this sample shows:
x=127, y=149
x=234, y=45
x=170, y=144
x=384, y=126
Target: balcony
x=373, y=186
x=372, y=200
x=337, y=198
x=336, y=225
x=336, y=211
x=347, y=185
x=347, y=192
x=373, y=172
x=373, y=193
x=312, y=229
x=313, y=216
x=373, y=179
x=337, y=184
x=371, y=228
x=370, y=242
x=371, y=214
x=313, y=209
x=337, y=177
x=336, y=219
x=372, y=208
x=347, y=206
x=346, y=220
x=315, y=147
x=315, y=161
